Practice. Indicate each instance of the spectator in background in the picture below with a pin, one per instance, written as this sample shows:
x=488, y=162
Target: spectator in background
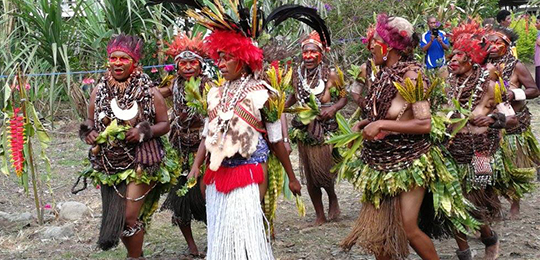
x=504, y=18
x=488, y=23
x=537, y=56
x=434, y=43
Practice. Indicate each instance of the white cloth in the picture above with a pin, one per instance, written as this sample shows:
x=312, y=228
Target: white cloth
x=519, y=94
x=274, y=131
x=236, y=225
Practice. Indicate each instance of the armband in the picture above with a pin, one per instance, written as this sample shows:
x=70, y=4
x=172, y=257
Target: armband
x=145, y=131
x=274, y=131
x=519, y=94
x=500, y=120
x=205, y=128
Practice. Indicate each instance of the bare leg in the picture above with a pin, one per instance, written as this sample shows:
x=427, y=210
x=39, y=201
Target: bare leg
x=411, y=202
x=134, y=243
x=514, y=209
x=333, y=210
x=264, y=185
x=461, y=241
x=202, y=187
x=315, y=194
x=188, y=235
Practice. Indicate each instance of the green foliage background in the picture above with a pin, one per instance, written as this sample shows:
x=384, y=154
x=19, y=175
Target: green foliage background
x=35, y=37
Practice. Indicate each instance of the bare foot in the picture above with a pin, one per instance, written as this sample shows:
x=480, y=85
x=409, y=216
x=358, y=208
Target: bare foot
x=514, y=210
x=492, y=252
x=333, y=211
x=319, y=221
x=492, y=246
x=193, y=251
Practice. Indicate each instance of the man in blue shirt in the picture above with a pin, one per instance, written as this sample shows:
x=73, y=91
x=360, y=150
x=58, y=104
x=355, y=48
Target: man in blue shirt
x=434, y=43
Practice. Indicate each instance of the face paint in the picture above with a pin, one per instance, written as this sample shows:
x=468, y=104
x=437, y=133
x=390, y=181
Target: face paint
x=311, y=55
x=230, y=67
x=186, y=65
x=384, y=46
x=189, y=68
x=121, y=65
x=120, y=60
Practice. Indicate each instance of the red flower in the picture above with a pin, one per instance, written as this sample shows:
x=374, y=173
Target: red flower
x=403, y=33
x=16, y=141
x=275, y=65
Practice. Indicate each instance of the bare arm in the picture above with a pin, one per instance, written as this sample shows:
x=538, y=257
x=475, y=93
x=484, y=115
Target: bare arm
x=90, y=138
x=161, y=125
x=283, y=156
x=199, y=160
x=526, y=79
x=428, y=45
x=165, y=91
x=291, y=100
x=445, y=46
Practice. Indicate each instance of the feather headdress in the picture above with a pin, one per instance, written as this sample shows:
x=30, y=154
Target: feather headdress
x=184, y=47
x=131, y=45
x=397, y=32
x=236, y=26
x=469, y=38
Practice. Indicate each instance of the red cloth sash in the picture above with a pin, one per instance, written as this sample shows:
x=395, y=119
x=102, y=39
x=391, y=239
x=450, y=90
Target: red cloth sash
x=230, y=178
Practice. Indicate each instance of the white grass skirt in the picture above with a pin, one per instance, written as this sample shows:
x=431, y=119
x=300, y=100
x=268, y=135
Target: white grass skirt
x=236, y=225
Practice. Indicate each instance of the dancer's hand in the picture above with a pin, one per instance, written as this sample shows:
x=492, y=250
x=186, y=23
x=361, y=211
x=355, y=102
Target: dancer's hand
x=91, y=137
x=327, y=113
x=360, y=125
x=295, y=187
x=482, y=121
x=133, y=135
x=194, y=173
x=371, y=130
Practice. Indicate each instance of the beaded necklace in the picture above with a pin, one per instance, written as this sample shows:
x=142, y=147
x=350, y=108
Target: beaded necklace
x=226, y=106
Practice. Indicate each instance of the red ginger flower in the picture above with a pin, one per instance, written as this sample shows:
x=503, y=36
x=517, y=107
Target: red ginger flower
x=16, y=141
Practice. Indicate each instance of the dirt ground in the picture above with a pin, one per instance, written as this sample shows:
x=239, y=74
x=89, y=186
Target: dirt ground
x=295, y=238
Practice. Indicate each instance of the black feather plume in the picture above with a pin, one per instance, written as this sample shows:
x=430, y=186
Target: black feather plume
x=307, y=15
x=192, y=3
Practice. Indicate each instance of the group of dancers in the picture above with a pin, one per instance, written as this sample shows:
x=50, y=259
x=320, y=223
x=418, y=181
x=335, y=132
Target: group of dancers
x=438, y=148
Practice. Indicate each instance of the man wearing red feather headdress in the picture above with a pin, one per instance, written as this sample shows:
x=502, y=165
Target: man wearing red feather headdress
x=315, y=77
x=186, y=125
x=475, y=146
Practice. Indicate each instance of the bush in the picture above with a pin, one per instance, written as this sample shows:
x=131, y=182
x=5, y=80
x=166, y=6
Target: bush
x=526, y=30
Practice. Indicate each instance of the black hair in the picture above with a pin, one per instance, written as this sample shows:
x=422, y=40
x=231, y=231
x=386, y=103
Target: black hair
x=513, y=36
x=501, y=15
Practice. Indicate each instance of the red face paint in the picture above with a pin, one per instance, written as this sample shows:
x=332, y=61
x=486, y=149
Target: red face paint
x=384, y=46
x=120, y=60
x=309, y=54
x=188, y=65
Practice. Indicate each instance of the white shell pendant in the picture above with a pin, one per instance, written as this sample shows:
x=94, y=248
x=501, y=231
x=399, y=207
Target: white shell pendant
x=226, y=115
x=319, y=88
x=125, y=115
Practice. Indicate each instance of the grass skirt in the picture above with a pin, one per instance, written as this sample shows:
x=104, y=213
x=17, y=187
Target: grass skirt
x=521, y=157
x=236, y=225
x=163, y=175
x=317, y=162
x=379, y=227
x=191, y=205
x=185, y=208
